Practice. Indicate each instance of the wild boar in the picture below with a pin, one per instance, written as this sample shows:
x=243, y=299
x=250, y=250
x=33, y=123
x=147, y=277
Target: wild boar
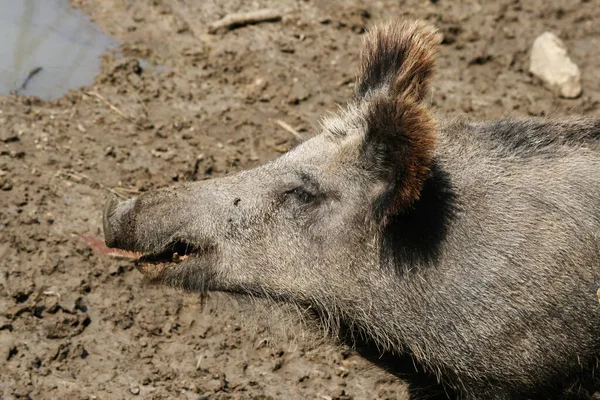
x=462, y=256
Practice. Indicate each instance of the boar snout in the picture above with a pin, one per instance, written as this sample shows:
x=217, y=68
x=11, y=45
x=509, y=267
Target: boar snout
x=171, y=230
x=153, y=221
x=118, y=223
x=121, y=231
x=154, y=226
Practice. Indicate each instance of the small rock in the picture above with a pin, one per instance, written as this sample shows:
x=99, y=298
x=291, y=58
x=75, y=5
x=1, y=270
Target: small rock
x=256, y=88
x=278, y=364
x=550, y=62
x=135, y=390
x=5, y=183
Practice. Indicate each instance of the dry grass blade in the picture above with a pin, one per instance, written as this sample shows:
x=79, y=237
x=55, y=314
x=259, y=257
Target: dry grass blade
x=78, y=177
x=126, y=191
x=288, y=128
x=52, y=293
x=237, y=20
x=109, y=104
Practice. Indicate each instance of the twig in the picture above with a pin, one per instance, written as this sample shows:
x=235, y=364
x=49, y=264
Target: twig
x=81, y=177
x=126, y=190
x=288, y=128
x=233, y=21
x=52, y=293
x=31, y=74
x=64, y=378
x=110, y=105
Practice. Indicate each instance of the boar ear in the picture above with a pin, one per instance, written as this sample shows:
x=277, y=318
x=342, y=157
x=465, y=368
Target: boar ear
x=398, y=147
x=400, y=131
x=398, y=58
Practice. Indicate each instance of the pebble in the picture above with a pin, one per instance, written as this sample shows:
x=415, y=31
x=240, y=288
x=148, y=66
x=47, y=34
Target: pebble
x=551, y=63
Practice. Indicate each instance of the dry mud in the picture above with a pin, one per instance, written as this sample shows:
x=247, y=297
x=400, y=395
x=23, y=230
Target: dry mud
x=188, y=105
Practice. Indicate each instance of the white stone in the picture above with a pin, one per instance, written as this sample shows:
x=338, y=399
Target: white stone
x=551, y=63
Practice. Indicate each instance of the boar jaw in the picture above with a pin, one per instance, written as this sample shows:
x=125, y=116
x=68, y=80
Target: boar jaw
x=154, y=265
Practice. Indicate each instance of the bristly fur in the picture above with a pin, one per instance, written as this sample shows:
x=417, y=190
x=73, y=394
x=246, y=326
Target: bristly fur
x=398, y=60
x=398, y=57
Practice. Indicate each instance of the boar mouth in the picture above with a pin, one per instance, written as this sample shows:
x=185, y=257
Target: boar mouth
x=153, y=265
x=175, y=252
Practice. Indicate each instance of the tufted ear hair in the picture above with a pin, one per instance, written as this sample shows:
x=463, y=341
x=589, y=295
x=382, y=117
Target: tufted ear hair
x=398, y=59
x=397, y=65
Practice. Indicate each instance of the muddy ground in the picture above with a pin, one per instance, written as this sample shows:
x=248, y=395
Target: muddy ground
x=178, y=104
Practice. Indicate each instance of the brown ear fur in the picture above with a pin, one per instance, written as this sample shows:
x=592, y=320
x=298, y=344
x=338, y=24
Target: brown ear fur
x=397, y=64
x=398, y=58
x=400, y=143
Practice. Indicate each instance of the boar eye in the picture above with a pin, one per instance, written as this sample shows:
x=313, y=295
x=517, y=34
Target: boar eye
x=302, y=195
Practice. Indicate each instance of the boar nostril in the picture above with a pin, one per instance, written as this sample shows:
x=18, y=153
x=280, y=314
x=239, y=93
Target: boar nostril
x=236, y=201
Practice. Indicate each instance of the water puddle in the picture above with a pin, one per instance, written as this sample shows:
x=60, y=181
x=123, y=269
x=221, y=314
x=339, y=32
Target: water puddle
x=48, y=47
